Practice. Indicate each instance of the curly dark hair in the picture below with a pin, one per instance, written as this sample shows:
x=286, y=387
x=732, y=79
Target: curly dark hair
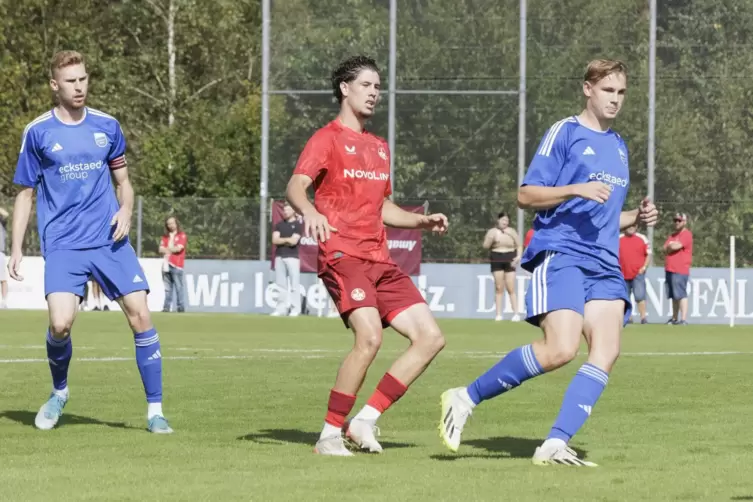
x=348, y=71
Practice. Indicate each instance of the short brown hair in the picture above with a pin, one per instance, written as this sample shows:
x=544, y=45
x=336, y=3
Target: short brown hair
x=62, y=59
x=601, y=68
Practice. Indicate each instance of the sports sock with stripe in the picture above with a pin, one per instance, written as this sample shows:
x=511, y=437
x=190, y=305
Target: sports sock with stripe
x=580, y=398
x=514, y=369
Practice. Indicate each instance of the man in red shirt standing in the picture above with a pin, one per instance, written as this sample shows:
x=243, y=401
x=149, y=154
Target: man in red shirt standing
x=349, y=168
x=635, y=255
x=679, y=250
x=173, y=248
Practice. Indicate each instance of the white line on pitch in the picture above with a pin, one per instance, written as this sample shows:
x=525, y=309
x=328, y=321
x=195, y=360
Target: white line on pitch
x=318, y=354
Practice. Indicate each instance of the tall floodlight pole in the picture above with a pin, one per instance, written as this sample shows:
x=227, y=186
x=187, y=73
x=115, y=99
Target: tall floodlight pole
x=392, y=83
x=264, y=181
x=522, y=108
x=651, y=109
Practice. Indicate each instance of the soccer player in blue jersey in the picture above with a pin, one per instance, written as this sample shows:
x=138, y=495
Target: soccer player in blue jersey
x=69, y=156
x=577, y=183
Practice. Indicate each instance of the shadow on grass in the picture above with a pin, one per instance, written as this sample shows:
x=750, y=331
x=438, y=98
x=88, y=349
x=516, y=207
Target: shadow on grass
x=296, y=436
x=499, y=447
x=27, y=418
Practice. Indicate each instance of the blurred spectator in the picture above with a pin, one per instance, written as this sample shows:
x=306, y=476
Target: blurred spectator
x=529, y=236
x=635, y=255
x=98, y=298
x=504, y=248
x=679, y=256
x=3, y=270
x=286, y=236
x=173, y=248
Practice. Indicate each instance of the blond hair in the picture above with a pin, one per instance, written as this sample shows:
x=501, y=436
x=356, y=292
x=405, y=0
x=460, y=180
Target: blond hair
x=63, y=59
x=602, y=68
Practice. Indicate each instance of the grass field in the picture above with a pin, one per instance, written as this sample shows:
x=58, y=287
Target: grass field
x=246, y=396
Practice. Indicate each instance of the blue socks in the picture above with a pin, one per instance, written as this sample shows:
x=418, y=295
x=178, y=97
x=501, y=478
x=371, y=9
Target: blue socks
x=514, y=369
x=59, y=353
x=580, y=398
x=149, y=361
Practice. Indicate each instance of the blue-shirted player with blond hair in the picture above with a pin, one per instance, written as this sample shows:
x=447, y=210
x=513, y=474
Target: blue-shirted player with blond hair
x=69, y=156
x=577, y=183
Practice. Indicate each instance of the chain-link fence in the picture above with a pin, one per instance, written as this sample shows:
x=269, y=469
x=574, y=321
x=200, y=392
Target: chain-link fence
x=228, y=228
x=456, y=137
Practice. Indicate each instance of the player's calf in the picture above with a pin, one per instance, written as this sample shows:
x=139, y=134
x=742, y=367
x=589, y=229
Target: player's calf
x=148, y=358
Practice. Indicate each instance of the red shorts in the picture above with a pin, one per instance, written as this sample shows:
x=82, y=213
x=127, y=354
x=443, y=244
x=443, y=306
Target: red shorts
x=354, y=283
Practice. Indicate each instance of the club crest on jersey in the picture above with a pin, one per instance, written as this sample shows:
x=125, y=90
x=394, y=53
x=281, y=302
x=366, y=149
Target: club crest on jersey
x=358, y=294
x=382, y=153
x=100, y=139
x=623, y=156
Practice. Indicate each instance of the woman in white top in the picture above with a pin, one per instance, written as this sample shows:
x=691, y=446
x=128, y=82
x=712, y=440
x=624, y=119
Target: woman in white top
x=505, y=250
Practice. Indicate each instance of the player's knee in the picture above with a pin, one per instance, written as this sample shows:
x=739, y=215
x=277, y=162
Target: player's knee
x=432, y=339
x=561, y=354
x=499, y=287
x=369, y=340
x=60, y=327
x=140, y=320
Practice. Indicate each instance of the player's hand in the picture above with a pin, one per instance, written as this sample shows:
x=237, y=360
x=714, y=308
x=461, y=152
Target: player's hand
x=122, y=220
x=594, y=190
x=436, y=222
x=316, y=225
x=14, y=266
x=647, y=213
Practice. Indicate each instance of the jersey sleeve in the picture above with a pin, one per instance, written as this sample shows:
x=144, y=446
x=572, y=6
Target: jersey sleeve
x=314, y=158
x=116, y=157
x=29, y=165
x=550, y=158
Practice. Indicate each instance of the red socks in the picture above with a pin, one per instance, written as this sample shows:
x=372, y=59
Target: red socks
x=338, y=408
x=389, y=390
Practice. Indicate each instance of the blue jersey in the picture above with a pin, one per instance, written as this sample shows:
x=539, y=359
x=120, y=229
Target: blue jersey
x=571, y=153
x=69, y=166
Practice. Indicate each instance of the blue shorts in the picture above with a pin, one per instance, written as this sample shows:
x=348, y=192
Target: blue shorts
x=115, y=267
x=561, y=281
x=637, y=286
x=677, y=285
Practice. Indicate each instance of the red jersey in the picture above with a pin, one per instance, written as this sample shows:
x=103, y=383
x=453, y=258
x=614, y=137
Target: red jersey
x=351, y=173
x=679, y=261
x=633, y=252
x=529, y=236
x=177, y=260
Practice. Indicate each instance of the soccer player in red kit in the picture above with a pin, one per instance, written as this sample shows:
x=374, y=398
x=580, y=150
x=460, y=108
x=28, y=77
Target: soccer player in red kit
x=350, y=170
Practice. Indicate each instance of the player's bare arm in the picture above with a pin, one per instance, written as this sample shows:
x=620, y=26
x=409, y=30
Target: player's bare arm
x=646, y=214
x=397, y=217
x=122, y=218
x=541, y=197
x=21, y=213
x=315, y=224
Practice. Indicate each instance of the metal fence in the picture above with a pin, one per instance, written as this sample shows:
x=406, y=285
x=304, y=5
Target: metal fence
x=469, y=89
x=228, y=228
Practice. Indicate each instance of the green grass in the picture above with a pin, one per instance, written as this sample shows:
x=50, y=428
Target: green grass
x=247, y=397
